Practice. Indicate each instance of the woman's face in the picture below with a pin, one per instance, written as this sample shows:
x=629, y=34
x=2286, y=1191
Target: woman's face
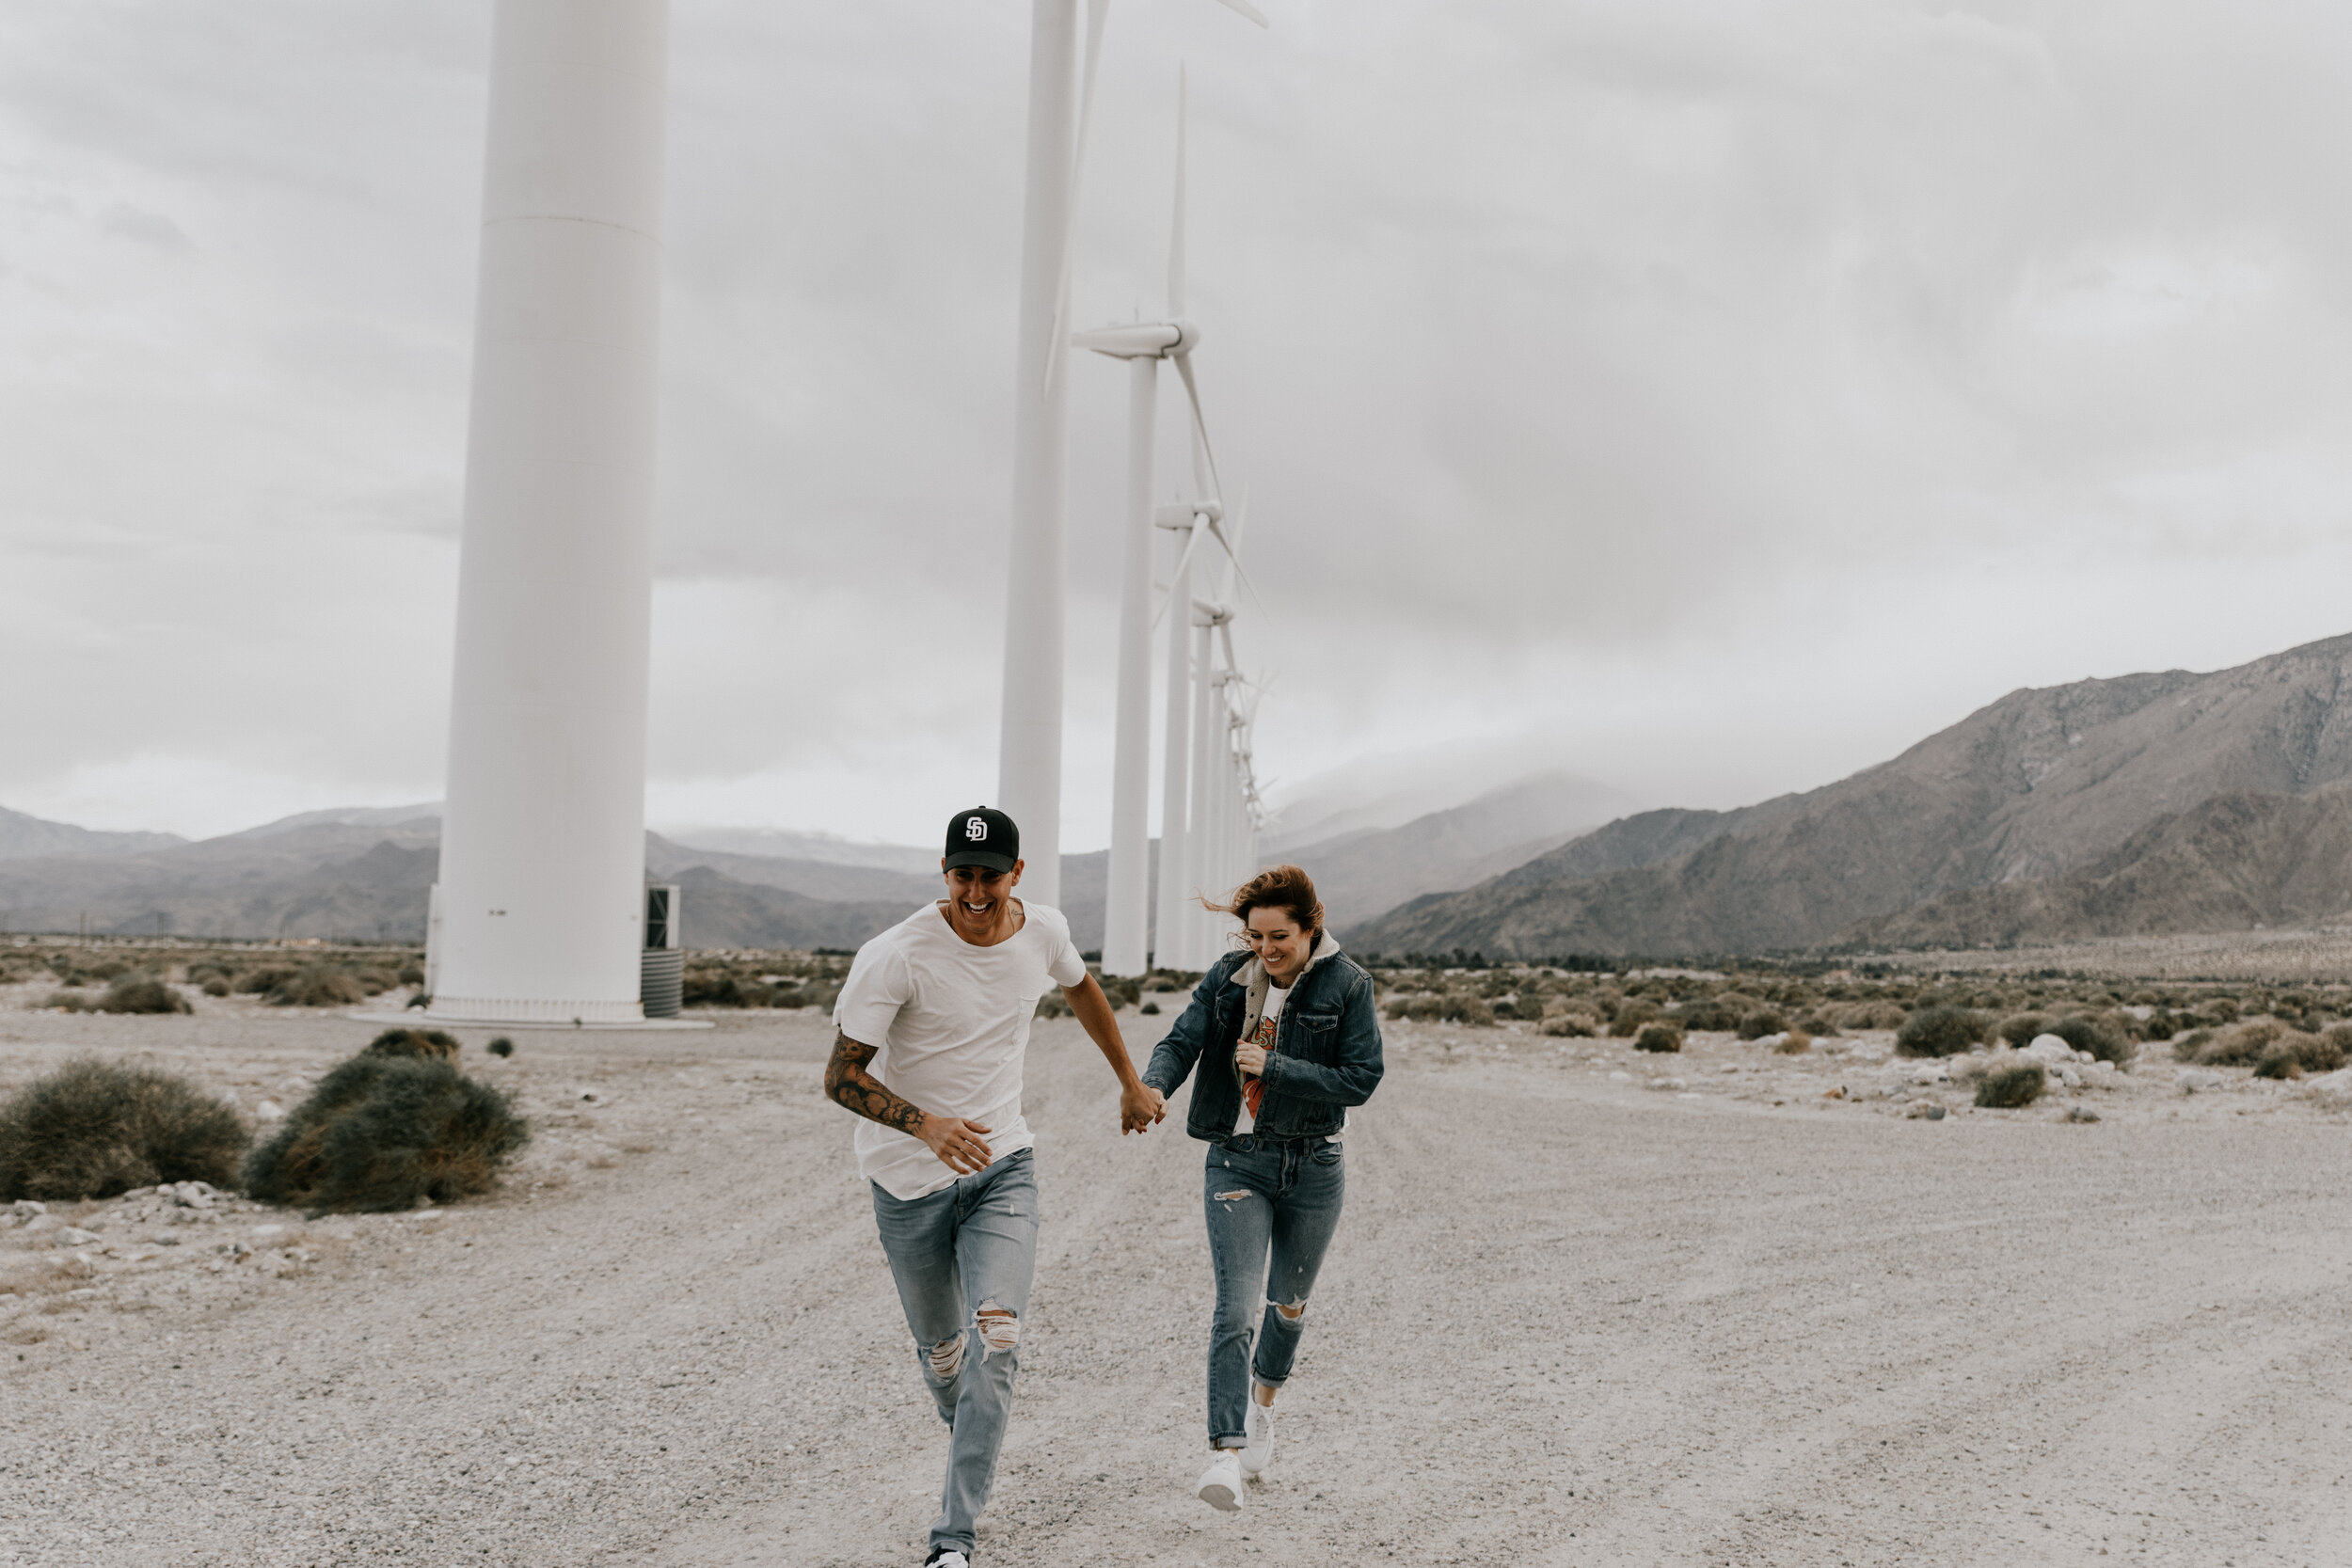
x=1280, y=942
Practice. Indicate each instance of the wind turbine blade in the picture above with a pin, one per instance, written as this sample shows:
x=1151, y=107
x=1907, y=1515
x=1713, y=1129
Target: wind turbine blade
x=1176, y=223
x=1098, y=12
x=1245, y=9
x=1199, y=429
x=1192, y=539
x=1232, y=562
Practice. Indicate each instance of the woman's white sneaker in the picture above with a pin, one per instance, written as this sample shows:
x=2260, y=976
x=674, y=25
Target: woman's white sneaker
x=1256, y=1431
x=1220, y=1483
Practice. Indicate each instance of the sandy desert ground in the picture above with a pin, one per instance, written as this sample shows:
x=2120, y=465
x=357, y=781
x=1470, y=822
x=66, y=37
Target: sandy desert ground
x=1586, y=1307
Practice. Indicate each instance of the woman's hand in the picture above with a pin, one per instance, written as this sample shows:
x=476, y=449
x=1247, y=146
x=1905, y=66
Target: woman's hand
x=1250, y=1059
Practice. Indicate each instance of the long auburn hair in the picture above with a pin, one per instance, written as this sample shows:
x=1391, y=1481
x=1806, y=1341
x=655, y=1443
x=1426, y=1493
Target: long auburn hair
x=1278, y=887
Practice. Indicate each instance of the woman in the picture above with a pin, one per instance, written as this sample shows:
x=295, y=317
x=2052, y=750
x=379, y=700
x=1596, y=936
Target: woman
x=1287, y=1039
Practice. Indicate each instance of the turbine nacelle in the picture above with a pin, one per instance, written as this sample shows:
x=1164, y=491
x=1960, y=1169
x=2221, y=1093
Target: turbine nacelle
x=1140, y=340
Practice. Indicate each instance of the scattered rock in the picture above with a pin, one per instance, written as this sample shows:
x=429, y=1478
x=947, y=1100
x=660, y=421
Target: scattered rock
x=1923, y=1110
x=1667, y=1084
x=2195, y=1081
x=1931, y=1073
x=191, y=1195
x=1621, y=1076
x=2336, y=1086
x=269, y=1110
x=73, y=1235
x=2048, y=1050
x=2081, y=1113
x=25, y=1209
x=1839, y=1093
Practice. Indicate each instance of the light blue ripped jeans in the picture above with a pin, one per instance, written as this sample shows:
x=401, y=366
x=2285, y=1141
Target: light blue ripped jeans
x=963, y=1256
x=1272, y=1205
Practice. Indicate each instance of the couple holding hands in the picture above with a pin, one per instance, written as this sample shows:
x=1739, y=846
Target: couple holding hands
x=932, y=1025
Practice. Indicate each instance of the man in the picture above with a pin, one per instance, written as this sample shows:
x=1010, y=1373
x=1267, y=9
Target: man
x=930, y=1029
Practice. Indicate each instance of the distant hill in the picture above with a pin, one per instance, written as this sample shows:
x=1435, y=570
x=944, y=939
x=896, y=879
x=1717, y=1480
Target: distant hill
x=2229, y=864
x=22, y=836
x=814, y=848
x=2032, y=788
x=1364, y=873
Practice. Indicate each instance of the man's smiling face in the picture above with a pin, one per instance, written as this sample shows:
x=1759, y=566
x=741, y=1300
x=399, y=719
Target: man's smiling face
x=977, y=897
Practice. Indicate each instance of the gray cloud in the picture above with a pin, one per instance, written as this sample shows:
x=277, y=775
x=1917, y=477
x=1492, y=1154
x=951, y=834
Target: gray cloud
x=1711, y=400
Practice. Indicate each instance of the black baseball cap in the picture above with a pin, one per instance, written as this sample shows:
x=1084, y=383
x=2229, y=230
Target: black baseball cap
x=984, y=837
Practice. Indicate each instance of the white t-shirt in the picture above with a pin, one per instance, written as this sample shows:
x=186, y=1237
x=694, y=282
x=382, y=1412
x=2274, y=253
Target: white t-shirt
x=1277, y=998
x=949, y=1023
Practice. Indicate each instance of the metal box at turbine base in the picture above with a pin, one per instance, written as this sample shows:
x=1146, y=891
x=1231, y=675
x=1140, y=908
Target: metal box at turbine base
x=662, y=984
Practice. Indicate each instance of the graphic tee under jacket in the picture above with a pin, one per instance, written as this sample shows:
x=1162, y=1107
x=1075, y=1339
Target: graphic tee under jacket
x=950, y=1023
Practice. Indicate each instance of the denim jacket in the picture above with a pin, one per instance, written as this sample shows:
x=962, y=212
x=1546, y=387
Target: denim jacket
x=1326, y=1055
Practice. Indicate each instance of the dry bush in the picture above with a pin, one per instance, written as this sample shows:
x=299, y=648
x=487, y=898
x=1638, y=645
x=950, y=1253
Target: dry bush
x=381, y=1132
x=1629, y=1017
x=1052, y=1005
x=2189, y=1045
x=1710, y=1012
x=1572, y=1025
x=2103, y=1038
x=2020, y=1029
x=2295, y=1054
x=1940, y=1032
x=2007, y=1089
x=1814, y=1025
x=1763, y=1022
x=430, y=1044
x=1658, y=1037
x=1795, y=1043
x=1420, y=1010
x=1858, y=1016
x=92, y=1130
x=501, y=1047
x=1473, y=1010
x=2241, y=1046
x=262, y=978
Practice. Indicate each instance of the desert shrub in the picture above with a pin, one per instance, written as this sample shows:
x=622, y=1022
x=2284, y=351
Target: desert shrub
x=411, y=974
x=1763, y=1022
x=2189, y=1045
x=1940, y=1032
x=2241, y=1046
x=316, y=986
x=2021, y=1028
x=215, y=986
x=430, y=1043
x=2006, y=1088
x=92, y=1129
x=1658, y=1036
x=1423, y=1008
x=1871, y=1015
x=379, y=1133
x=1472, y=1010
x=2220, y=1010
x=1709, y=1012
x=2295, y=1054
x=140, y=993
x=1150, y=1010
x=1630, y=1016
x=1053, y=1005
x=1814, y=1024
x=1794, y=1043
x=1572, y=1026
x=501, y=1047
x=374, y=981
x=262, y=978
x=2100, y=1036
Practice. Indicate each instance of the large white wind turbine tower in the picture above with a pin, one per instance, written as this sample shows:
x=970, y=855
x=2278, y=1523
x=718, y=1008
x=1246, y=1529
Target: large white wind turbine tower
x=540, y=911
x=1028, y=767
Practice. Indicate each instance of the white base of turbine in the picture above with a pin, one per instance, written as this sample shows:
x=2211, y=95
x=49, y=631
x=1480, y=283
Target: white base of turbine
x=461, y=1016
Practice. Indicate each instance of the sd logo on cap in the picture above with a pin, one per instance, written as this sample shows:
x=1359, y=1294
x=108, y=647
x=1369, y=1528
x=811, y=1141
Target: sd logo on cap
x=984, y=837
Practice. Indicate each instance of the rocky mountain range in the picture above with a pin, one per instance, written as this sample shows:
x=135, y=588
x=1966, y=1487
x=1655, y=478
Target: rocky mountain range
x=2045, y=786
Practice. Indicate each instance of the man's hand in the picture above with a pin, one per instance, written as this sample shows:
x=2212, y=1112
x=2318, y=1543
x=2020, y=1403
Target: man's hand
x=1250, y=1059
x=962, y=1145
x=1139, y=1106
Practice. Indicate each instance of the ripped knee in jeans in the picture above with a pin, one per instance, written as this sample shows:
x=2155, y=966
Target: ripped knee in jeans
x=999, y=1326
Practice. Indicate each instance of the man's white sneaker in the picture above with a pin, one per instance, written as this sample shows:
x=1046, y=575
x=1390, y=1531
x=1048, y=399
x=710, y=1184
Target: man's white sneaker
x=1257, y=1429
x=1220, y=1483
x=948, y=1559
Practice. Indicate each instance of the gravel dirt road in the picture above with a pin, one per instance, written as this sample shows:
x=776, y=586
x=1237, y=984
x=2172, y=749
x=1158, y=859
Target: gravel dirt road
x=1569, y=1319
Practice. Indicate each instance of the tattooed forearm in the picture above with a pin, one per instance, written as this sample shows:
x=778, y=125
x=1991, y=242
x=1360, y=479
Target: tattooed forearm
x=849, y=1085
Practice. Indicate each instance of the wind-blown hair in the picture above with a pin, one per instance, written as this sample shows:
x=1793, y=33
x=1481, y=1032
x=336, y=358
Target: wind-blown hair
x=1280, y=887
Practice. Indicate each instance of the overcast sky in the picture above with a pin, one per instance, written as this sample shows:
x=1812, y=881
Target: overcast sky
x=1712, y=399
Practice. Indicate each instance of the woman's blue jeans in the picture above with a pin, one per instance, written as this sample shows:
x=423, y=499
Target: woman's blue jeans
x=1272, y=1205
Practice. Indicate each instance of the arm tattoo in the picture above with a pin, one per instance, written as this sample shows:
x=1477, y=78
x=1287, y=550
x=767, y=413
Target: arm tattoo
x=849, y=1085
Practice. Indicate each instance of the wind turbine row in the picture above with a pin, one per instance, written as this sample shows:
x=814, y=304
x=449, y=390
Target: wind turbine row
x=1209, y=809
